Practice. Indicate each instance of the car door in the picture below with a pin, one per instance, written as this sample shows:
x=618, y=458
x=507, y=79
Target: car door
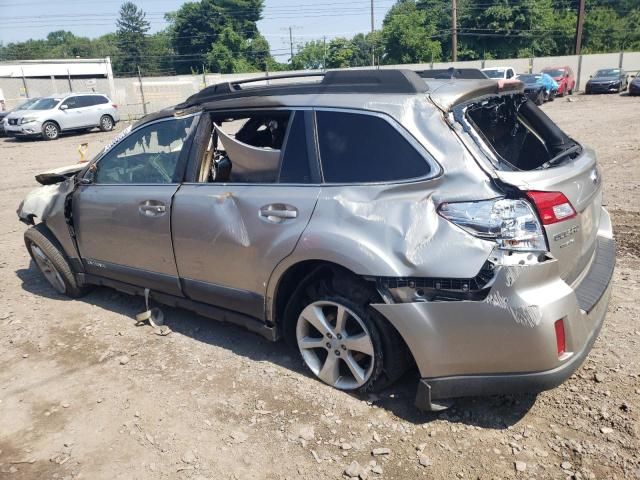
x=88, y=111
x=70, y=115
x=230, y=234
x=122, y=209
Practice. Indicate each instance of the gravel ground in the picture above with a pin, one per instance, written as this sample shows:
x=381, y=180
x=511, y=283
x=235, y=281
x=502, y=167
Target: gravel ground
x=85, y=393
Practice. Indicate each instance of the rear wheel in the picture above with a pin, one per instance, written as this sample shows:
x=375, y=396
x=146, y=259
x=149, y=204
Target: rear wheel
x=341, y=339
x=106, y=123
x=50, y=131
x=51, y=261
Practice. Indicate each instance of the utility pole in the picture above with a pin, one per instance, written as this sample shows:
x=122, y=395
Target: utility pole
x=373, y=47
x=144, y=103
x=291, y=42
x=324, y=56
x=579, y=27
x=454, y=31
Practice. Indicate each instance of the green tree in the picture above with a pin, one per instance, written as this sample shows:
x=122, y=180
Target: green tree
x=132, y=27
x=197, y=29
x=408, y=36
x=310, y=56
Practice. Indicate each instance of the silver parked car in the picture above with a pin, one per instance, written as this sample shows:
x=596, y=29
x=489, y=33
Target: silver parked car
x=373, y=219
x=51, y=115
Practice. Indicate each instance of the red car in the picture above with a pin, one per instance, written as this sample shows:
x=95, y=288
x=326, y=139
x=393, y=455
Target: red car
x=564, y=77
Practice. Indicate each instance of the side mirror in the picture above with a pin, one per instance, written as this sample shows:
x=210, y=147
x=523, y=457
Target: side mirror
x=64, y=107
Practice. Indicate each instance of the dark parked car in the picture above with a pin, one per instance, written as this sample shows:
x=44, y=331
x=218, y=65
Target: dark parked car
x=565, y=78
x=607, y=80
x=634, y=86
x=539, y=87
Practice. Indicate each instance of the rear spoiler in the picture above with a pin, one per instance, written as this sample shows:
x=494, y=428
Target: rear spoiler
x=454, y=93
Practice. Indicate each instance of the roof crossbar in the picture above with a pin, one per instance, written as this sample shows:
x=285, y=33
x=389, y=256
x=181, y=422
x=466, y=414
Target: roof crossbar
x=334, y=81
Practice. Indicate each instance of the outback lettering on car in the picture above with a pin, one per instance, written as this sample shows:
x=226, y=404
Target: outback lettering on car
x=376, y=220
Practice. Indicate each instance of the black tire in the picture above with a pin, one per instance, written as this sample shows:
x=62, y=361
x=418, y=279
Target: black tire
x=540, y=99
x=50, y=130
x=40, y=236
x=391, y=356
x=106, y=123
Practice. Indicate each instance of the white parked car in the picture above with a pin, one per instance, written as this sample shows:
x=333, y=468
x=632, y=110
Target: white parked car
x=59, y=113
x=500, y=73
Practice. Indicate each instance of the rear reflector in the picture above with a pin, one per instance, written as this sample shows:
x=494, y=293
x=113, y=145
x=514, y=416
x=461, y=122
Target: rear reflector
x=553, y=207
x=560, y=343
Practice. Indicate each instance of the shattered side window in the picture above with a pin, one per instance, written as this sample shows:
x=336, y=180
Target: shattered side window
x=246, y=148
x=148, y=155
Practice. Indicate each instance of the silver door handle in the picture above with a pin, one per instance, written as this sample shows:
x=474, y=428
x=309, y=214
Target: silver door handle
x=150, y=209
x=278, y=212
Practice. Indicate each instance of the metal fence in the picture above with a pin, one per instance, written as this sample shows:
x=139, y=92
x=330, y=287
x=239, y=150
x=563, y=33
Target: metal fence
x=139, y=95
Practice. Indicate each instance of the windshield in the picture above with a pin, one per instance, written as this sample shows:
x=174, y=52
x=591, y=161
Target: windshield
x=555, y=72
x=27, y=104
x=608, y=72
x=45, y=104
x=494, y=73
x=529, y=78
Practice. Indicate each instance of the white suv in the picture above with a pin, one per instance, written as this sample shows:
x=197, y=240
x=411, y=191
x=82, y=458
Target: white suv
x=499, y=73
x=58, y=113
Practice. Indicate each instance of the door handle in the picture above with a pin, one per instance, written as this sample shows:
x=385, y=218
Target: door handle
x=152, y=208
x=278, y=212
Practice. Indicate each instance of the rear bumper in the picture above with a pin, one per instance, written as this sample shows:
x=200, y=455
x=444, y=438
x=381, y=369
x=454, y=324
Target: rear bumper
x=507, y=343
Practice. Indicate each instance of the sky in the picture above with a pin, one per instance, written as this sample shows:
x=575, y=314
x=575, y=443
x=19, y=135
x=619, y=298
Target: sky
x=308, y=19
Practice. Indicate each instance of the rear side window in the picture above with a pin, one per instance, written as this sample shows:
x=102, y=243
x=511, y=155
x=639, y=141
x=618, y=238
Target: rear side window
x=99, y=99
x=362, y=148
x=85, y=101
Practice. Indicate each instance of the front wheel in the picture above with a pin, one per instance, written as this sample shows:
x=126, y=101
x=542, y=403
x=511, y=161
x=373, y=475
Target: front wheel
x=51, y=261
x=106, y=123
x=50, y=131
x=342, y=340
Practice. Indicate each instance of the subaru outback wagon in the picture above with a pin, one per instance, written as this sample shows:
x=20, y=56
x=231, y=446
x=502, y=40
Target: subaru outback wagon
x=50, y=116
x=372, y=219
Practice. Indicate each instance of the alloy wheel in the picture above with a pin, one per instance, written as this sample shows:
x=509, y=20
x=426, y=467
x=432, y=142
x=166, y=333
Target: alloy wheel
x=107, y=124
x=48, y=269
x=50, y=131
x=335, y=344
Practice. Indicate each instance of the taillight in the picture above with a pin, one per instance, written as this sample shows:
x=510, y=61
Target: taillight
x=553, y=207
x=560, y=340
x=114, y=105
x=511, y=223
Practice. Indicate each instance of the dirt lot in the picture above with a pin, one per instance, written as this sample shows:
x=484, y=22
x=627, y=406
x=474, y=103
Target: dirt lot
x=84, y=393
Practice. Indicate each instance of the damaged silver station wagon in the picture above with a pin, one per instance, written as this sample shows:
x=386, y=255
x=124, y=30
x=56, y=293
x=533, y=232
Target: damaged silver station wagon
x=373, y=219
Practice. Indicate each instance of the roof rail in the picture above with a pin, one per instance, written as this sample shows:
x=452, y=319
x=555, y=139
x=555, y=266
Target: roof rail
x=451, y=73
x=334, y=81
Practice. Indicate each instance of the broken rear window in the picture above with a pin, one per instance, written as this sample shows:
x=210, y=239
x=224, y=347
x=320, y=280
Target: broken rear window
x=519, y=134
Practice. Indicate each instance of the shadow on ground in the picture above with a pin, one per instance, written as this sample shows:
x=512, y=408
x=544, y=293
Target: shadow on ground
x=496, y=412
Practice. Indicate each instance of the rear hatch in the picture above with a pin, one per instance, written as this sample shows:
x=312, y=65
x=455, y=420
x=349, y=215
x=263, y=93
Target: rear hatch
x=517, y=144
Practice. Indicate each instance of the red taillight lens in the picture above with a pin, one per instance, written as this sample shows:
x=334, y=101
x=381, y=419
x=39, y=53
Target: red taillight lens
x=114, y=105
x=553, y=207
x=560, y=342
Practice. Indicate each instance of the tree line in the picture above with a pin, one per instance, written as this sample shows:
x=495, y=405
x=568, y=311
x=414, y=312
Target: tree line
x=222, y=36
